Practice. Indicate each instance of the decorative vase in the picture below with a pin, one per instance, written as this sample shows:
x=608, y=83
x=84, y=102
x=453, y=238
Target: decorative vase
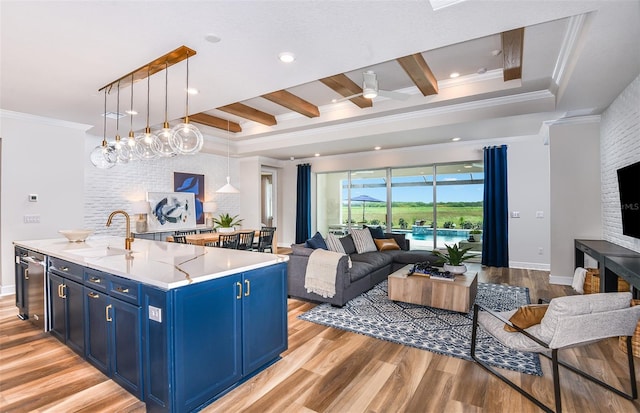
x=225, y=229
x=455, y=269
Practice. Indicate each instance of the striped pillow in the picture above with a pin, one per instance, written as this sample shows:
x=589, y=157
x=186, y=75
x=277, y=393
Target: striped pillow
x=363, y=240
x=334, y=244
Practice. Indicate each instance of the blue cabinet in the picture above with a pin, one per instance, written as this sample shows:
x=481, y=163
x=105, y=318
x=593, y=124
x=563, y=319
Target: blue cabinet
x=212, y=336
x=66, y=314
x=113, y=336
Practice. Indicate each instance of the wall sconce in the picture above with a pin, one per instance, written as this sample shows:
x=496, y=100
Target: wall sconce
x=142, y=209
x=209, y=208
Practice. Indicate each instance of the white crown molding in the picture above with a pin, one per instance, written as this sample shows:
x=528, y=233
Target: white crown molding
x=568, y=48
x=44, y=120
x=578, y=120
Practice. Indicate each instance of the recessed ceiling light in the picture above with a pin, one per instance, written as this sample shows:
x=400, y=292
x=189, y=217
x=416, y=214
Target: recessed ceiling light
x=212, y=38
x=193, y=91
x=286, y=57
x=317, y=154
x=453, y=75
x=455, y=139
x=131, y=112
x=292, y=158
x=377, y=148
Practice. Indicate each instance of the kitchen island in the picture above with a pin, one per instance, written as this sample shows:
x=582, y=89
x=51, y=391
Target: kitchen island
x=177, y=325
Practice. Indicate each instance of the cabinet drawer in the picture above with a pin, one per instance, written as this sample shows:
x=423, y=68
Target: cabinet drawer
x=95, y=279
x=66, y=269
x=125, y=290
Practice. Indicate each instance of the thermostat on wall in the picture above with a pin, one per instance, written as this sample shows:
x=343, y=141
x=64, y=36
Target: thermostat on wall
x=33, y=197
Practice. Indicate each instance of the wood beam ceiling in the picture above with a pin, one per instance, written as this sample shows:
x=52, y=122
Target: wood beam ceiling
x=215, y=122
x=512, y=46
x=347, y=87
x=247, y=112
x=293, y=102
x=420, y=73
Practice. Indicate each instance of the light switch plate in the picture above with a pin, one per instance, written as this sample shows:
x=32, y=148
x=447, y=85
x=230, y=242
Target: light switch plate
x=515, y=214
x=155, y=314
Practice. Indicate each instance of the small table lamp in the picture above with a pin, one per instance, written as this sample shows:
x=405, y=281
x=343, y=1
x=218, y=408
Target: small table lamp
x=142, y=209
x=209, y=208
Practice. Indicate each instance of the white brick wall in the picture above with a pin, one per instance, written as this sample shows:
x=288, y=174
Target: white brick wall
x=620, y=146
x=117, y=188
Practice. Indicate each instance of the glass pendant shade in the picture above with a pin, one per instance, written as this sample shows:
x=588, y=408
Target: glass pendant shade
x=104, y=156
x=186, y=139
x=147, y=145
x=164, y=140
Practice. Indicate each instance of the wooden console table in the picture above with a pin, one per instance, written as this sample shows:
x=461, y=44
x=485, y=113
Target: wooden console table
x=613, y=260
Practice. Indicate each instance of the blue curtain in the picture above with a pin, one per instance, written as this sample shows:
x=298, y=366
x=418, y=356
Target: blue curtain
x=495, y=238
x=303, y=206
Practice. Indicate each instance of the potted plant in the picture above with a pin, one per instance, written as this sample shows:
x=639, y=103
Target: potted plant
x=475, y=235
x=226, y=222
x=453, y=258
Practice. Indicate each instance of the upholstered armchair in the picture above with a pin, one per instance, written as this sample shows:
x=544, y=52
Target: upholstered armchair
x=568, y=322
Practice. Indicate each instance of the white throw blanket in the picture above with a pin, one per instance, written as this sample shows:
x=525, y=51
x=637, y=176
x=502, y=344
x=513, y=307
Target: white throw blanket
x=320, y=277
x=578, y=280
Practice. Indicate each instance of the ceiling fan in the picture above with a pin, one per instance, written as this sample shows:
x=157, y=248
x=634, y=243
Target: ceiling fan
x=370, y=89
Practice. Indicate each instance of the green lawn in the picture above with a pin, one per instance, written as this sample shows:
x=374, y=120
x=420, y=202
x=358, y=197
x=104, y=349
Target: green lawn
x=454, y=212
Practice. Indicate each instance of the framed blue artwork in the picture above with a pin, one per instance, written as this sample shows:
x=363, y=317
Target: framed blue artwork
x=193, y=183
x=171, y=210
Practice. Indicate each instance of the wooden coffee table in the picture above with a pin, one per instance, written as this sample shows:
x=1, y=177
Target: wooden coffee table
x=456, y=295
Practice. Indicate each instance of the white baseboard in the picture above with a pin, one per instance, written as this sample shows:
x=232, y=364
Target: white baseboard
x=529, y=265
x=7, y=290
x=561, y=280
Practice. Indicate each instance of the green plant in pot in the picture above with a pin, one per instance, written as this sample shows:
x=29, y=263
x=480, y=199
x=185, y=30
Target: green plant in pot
x=475, y=235
x=226, y=222
x=453, y=258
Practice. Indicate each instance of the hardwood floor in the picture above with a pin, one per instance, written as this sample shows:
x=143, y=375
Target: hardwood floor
x=324, y=370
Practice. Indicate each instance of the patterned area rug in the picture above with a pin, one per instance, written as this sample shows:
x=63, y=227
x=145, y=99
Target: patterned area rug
x=440, y=331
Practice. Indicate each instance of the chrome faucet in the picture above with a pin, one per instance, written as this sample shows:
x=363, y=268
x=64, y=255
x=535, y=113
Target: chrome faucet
x=128, y=238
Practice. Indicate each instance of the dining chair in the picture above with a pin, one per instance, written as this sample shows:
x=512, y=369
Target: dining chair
x=186, y=232
x=180, y=239
x=245, y=240
x=265, y=239
x=228, y=241
x=569, y=321
x=207, y=231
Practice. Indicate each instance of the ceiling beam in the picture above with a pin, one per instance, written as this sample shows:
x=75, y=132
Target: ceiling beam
x=420, y=73
x=347, y=87
x=293, y=102
x=215, y=122
x=512, y=44
x=250, y=113
x=153, y=67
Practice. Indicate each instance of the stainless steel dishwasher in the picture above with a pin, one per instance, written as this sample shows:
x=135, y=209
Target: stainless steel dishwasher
x=33, y=266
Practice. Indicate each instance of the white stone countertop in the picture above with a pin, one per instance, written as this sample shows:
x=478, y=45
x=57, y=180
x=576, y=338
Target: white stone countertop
x=165, y=265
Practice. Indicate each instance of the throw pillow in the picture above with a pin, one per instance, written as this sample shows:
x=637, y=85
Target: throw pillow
x=316, y=242
x=376, y=232
x=348, y=245
x=363, y=240
x=527, y=316
x=334, y=244
x=386, y=244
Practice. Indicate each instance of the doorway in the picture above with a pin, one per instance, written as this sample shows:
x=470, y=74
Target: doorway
x=267, y=198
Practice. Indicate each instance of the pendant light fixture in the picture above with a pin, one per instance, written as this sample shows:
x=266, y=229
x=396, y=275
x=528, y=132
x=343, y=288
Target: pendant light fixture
x=104, y=156
x=131, y=140
x=186, y=139
x=228, y=188
x=147, y=144
x=164, y=135
x=121, y=148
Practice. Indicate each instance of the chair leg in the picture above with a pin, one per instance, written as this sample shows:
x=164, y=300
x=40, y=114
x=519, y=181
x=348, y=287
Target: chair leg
x=632, y=375
x=556, y=380
x=519, y=389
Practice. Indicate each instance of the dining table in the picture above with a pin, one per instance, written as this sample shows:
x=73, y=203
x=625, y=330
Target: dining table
x=212, y=237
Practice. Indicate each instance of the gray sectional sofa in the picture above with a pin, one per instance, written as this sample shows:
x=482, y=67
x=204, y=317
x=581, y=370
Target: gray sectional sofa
x=367, y=270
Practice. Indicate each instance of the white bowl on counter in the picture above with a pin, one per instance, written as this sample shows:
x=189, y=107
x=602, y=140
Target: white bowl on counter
x=76, y=235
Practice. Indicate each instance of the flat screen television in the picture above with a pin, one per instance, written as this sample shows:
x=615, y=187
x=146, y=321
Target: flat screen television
x=629, y=186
